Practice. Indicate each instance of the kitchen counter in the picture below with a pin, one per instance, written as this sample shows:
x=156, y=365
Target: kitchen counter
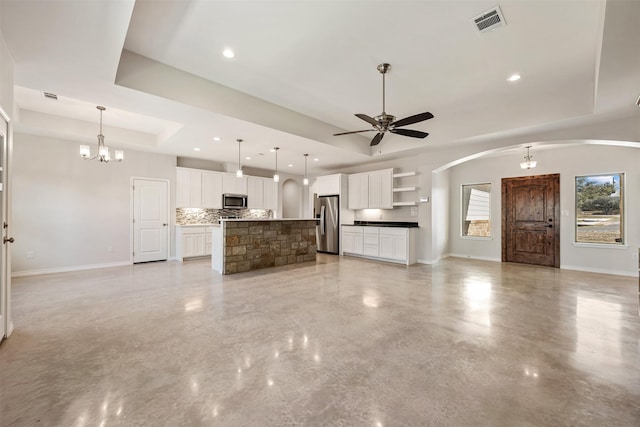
x=401, y=224
x=241, y=245
x=267, y=219
x=199, y=225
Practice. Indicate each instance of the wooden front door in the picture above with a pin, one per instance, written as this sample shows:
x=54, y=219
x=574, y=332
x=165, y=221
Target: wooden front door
x=531, y=220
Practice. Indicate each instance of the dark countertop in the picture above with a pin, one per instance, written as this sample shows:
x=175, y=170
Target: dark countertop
x=400, y=224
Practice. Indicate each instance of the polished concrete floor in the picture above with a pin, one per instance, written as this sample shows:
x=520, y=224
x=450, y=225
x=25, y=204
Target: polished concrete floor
x=342, y=342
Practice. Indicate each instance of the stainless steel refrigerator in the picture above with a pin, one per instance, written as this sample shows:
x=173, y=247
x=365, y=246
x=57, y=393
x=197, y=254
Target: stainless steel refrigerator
x=327, y=210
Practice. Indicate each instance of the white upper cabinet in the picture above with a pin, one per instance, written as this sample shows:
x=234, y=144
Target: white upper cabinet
x=189, y=188
x=270, y=199
x=197, y=188
x=255, y=192
x=231, y=184
x=359, y=191
x=381, y=189
x=212, y=190
x=328, y=185
x=371, y=190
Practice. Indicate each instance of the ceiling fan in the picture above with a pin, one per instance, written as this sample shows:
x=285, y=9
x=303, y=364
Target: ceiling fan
x=386, y=122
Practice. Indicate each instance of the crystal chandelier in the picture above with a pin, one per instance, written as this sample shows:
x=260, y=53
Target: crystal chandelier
x=103, y=151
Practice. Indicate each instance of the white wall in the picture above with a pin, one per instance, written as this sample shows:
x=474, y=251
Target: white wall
x=569, y=162
x=291, y=200
x=69, y=211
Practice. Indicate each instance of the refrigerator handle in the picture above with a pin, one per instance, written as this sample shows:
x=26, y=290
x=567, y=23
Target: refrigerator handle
x=322, y=219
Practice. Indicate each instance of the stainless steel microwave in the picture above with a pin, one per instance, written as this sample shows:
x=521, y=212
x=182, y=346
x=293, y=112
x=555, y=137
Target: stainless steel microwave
x=234, y=201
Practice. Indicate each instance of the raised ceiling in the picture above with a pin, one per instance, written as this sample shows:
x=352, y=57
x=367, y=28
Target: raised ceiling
x=302, y=69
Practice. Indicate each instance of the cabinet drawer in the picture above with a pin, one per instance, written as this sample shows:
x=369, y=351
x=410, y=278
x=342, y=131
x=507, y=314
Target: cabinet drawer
x=193, y=230
x=390, y=231
x=370, y=250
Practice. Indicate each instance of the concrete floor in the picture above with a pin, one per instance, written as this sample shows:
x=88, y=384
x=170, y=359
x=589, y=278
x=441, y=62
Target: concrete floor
x=337, y=342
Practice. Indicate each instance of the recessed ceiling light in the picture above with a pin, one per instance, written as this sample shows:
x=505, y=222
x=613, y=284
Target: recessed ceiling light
x=514, y=78
x=247, y=158
x=196, y=149
x=315, y=160
x=290, y=166
x=216, y=138
x=228, y=53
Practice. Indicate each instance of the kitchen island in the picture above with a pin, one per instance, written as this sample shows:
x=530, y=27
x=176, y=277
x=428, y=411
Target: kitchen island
x=241, y=245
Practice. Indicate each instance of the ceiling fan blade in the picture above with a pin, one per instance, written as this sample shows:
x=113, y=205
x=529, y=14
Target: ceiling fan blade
x=355, y=131
x=410, y=132
x=368, y=119
x=376, y=139
x=412, y=119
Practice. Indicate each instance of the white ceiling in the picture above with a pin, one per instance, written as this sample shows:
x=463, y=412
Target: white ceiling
x=303, y=68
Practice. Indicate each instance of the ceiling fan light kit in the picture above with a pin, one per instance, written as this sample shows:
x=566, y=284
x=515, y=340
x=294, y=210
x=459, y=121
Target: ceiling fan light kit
x=387, y=122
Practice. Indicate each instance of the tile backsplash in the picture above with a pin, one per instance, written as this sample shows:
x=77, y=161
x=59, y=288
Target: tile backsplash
x=185, y=216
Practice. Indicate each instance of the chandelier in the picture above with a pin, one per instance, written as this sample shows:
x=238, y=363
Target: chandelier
x=528, y=163
x=103, y=151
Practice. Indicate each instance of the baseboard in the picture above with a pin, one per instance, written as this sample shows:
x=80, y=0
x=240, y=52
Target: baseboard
x=598, y=270
x=67, y=269
x=10, y=329
x=479, y=258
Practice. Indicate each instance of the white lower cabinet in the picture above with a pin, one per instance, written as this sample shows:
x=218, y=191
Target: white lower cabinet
x=192, y=242
x=352, y=240
x=371, y=245
x=393, y=244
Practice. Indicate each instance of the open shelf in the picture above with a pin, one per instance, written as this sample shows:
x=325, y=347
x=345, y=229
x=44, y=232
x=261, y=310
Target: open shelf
x=403, y=189
x=402, y=175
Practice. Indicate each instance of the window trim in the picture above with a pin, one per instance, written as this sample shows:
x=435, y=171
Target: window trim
x=462, y=213
x=623, y=220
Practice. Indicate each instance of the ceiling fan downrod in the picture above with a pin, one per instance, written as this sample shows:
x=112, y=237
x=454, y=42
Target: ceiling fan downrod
x=384, y=69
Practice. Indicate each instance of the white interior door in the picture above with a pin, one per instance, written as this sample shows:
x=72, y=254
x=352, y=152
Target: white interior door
x=150, y=220
x=5, y=249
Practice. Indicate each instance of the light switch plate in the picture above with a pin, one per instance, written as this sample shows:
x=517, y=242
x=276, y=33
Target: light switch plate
x=424, y=199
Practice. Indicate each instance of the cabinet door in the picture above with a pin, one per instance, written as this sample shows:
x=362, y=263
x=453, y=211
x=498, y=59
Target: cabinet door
x=347, y=241
x=381, y=189
x=195, y=185
x=255, y=192
x=212, y=190
x=183, y=188
x=359, y=191
x=358, y=244
x=188, y=245
x=233, y=185
x=270, y=194
x=200, y=244
x=328, y=185
x=393, y=243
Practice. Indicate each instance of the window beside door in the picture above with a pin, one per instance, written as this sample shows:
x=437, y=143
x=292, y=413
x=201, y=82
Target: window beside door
x=476, y=210
x=600, y=209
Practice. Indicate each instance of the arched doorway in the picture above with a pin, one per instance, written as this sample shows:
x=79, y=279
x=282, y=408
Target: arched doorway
x=291, y=199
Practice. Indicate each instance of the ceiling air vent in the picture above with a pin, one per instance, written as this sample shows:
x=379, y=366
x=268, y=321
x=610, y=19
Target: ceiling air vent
x=489, y=20
x=50, y=95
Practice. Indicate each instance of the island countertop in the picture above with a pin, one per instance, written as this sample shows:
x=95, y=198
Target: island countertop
x=268, y=219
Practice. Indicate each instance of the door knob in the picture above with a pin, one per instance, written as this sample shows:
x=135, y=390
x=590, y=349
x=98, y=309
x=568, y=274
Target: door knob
x=164, y=225
x=549, y=225
x=8, y=239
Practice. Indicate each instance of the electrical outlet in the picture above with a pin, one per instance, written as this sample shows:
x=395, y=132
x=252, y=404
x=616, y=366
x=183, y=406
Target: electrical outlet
x=414, y=211
x=30, y=254
x=109, y=248
x=635, y=256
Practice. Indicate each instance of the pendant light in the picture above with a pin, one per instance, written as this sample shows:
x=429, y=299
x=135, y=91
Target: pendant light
x=528, y=163
x=103, y=154
x=305, y=181
x=276, y=177
x=239, y=170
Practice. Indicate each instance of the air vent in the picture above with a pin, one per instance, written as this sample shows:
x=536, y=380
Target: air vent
x=50, y=95
x=489, y=20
